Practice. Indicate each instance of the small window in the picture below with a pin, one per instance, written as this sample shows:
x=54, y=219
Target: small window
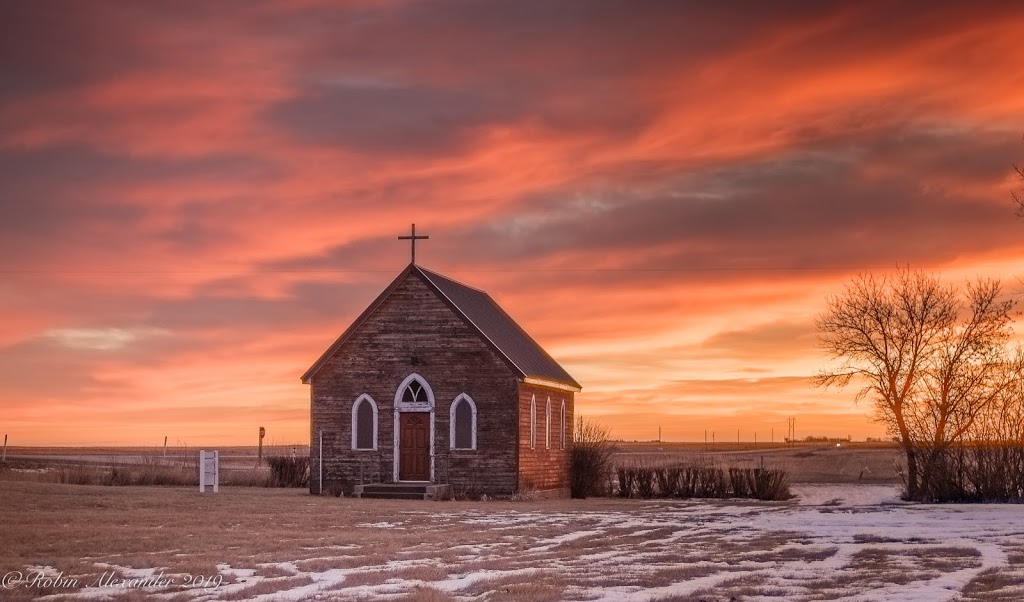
x=415, y=393
x=561, y=425
x=463, y=423
x=547, y=425
x=364, y=423
x=533, y=422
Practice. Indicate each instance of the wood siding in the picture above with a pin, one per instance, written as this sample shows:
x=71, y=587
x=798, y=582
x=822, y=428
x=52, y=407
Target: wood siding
x=415, y=331
x=543, y=467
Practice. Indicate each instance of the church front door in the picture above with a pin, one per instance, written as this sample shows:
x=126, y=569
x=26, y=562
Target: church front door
x=414, y=446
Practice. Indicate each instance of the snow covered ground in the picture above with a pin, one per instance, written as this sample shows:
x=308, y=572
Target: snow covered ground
x=834, y=542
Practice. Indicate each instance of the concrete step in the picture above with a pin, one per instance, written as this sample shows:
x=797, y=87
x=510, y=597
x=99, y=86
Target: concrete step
x=394, y=488
x=375, y=495
x=404, y=491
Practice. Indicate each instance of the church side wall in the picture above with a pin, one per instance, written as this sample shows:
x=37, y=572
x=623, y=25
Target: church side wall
x=414, y=331
x=544, y=466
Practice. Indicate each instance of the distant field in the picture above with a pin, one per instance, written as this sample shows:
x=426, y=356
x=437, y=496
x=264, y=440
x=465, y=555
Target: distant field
x=849, y=542
x=804, y=462
x=238, y=465
x=234, y=455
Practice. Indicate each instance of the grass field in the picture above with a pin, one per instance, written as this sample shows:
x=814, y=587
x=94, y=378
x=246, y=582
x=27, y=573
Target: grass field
x=846, y=536
x=834, y=542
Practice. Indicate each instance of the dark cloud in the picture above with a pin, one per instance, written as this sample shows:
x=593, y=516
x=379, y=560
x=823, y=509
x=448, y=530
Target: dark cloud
x=78, y=196
x=810, y=208
x=392, y=119
x=61, y=44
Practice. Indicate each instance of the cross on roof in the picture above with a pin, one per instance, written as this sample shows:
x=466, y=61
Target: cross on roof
x=413, y=238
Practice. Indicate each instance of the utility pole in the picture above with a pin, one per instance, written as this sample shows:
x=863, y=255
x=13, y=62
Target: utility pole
x=5, y=448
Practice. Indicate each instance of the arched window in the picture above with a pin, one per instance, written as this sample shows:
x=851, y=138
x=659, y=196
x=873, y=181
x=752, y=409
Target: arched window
x=364, y=423
x=414, y=393
x=547, y=425
x=533, y=422
x=561, y=425
x=462, y=423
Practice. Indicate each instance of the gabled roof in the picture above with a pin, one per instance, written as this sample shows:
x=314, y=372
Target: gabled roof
x=479, y=311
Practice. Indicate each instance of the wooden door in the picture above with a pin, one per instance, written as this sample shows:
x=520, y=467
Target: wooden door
x=414, y=446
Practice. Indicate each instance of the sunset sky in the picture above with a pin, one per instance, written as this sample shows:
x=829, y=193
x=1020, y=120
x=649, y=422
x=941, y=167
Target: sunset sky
x=197, y=198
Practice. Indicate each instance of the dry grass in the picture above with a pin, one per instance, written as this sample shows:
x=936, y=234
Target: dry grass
x=994, y=585
x=441, y=551
x=427, y=594
x=268, y=586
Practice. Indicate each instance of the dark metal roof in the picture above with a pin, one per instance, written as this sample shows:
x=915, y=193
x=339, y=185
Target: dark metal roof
x=500, y=329
x=482, y=313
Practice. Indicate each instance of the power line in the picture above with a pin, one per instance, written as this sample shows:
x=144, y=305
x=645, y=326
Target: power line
x=29, y=272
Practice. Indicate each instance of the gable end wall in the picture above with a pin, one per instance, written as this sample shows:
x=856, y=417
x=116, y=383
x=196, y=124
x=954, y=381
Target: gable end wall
x=413, y=330
x=544, y=468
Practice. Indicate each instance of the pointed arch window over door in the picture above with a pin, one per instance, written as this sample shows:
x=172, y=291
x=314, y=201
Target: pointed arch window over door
x=415, y=393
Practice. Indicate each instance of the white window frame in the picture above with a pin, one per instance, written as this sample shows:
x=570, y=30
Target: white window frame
x=355, y=422
x=561, y=423
x=451, y=422
x=547, y=425
x=533, y=422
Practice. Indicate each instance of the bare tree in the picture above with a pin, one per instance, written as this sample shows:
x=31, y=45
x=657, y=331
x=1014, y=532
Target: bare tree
x=926, y=356
x=1004, y=422
x=968, y=375
x=1018, y=197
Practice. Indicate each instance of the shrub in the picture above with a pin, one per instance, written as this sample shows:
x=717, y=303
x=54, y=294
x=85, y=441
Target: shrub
x=590, y=460
x=698, y=481
x=288, y=472
x=979, y=472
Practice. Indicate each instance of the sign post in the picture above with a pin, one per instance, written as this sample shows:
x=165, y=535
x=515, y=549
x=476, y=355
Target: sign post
x=259, y=456
x=209, y=471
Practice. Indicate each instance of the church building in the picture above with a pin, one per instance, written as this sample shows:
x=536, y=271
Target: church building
x=435, y=385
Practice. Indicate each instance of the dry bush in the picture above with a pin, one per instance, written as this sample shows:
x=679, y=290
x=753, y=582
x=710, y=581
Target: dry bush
x=149, y=472
x=591, y=459
x=252, y=477
x=975, y=473
x=288, y=472
x=701, y=481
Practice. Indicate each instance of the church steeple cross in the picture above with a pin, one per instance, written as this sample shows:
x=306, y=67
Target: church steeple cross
x=413, y=238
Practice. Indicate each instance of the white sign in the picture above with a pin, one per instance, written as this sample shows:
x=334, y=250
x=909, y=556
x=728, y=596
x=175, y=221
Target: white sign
x=209, y=471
